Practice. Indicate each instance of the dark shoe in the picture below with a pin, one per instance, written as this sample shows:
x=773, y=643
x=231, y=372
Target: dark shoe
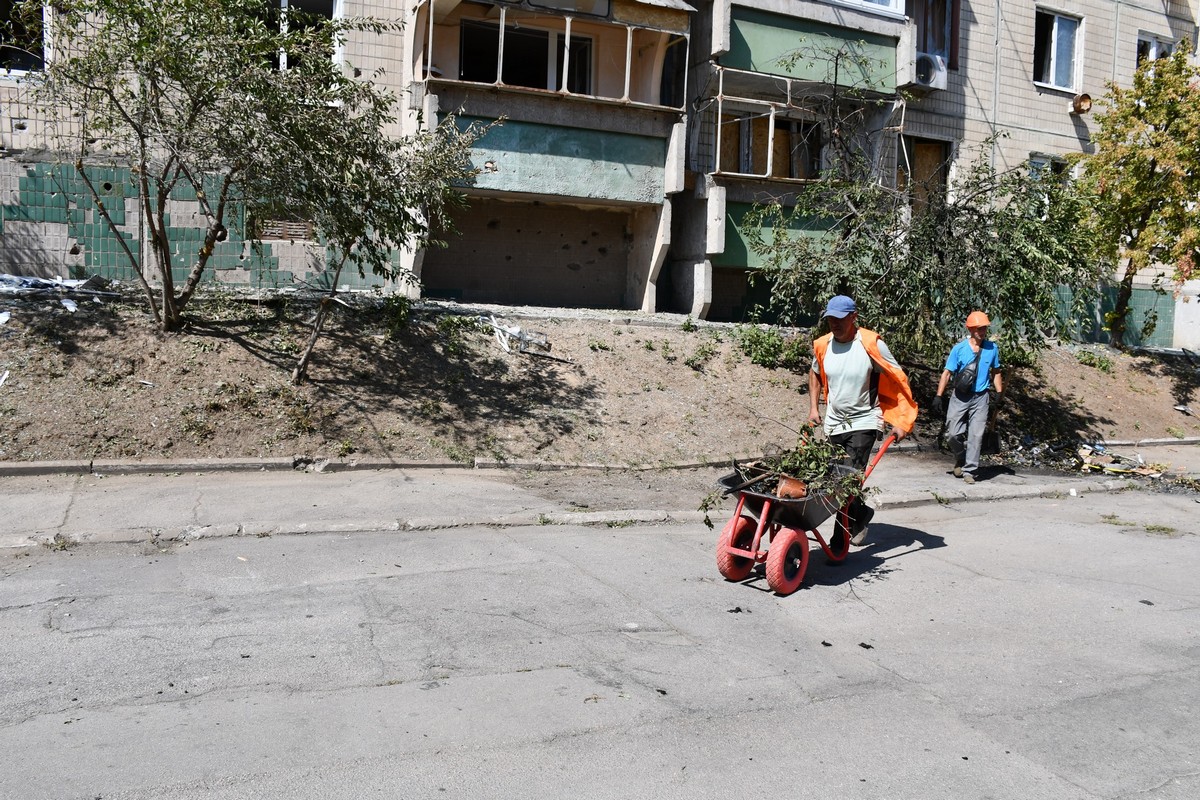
x=968, y=478
x=860, y=533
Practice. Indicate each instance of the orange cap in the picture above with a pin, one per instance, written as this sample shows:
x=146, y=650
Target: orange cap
x=977, y=319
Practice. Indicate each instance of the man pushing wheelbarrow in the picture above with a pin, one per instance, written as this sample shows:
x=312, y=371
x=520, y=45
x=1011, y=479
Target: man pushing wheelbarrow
x=865, y=390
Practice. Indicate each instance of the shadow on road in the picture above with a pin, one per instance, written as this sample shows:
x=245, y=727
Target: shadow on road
x=866, y=564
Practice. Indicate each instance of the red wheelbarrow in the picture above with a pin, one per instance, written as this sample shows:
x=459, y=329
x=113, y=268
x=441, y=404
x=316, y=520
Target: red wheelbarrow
x=785, y=523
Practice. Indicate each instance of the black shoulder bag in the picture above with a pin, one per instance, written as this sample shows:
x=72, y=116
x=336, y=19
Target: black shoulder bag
x=964, y=382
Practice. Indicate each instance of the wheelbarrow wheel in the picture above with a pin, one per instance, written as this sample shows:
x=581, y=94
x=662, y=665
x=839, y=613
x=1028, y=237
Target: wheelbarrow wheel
x=739, y=532
x=787, y=560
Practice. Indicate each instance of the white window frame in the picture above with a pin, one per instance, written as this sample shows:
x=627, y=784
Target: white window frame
x=884, y=8
x=1157, y=43
x=338, y=11
x=47, y=45
x=1054, y=32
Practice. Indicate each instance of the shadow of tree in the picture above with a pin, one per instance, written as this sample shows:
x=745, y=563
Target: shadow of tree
x=1182, y=368
x=454, y=377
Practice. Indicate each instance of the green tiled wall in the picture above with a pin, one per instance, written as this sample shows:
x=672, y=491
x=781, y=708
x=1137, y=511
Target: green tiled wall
x=55, y=194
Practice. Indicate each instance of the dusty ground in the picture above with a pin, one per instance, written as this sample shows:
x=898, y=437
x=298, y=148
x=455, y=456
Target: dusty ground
x=619, y=389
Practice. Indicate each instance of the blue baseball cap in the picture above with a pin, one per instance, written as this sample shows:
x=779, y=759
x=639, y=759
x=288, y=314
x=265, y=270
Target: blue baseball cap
x=840, y=306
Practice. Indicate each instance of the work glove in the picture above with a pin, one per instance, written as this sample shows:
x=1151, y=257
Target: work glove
x=938, y=407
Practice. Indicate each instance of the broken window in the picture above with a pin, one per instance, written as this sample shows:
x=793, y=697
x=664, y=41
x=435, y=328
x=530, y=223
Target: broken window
x=893, y=6
x=936, y=28
x=300, y=15
x=594, y=8
x=766, y=146
x=1152, y=48
x=22, y=35
x=1054, y=40
x=533, y=57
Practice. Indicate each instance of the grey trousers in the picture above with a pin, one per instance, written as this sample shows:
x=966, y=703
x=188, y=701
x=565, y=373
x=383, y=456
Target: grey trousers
x=966, y=421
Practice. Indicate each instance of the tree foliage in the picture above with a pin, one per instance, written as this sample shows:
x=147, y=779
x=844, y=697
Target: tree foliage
x=243, y=106
x=1143, y=181
x=917, y=262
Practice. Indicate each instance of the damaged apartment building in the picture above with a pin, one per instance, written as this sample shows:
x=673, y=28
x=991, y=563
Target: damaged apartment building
x=637, y=135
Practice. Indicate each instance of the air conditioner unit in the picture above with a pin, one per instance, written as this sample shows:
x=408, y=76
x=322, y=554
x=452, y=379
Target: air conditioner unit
x=929, y=71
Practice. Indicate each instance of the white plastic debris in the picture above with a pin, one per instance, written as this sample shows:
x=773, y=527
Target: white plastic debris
x=69, y=304
x=3, y=377
x=1074, y=493
x=5, y=316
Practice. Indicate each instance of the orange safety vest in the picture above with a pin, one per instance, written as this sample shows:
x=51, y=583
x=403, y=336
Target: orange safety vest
x=895, y=396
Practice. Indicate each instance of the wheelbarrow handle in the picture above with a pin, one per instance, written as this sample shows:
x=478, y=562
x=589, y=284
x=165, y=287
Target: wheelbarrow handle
x=882, y=449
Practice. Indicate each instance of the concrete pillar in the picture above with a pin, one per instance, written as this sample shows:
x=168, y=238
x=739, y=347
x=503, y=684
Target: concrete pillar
x=701, y=289
x=652, y=239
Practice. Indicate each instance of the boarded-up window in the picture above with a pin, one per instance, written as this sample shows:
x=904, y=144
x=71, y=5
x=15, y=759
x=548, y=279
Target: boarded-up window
x=284, y=229
x=746, y=140
x=923, y=169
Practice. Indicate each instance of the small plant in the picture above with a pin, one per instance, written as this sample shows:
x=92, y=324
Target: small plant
x=688, y=325
x=544, y=520
x=766, y=347
x=620, y=523
x=595, y=345
x=1096, y=360
x=1163, y=529
x=649, y=345
x=345, y=448
x=1178, y=433
x=397, y=313
x=1113, y=519
x=59, y=543
x=699, y=359
x=452, y=327
x=667, y=355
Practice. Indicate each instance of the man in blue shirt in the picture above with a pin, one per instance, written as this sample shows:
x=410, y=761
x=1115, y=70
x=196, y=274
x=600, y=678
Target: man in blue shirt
x=973, y=363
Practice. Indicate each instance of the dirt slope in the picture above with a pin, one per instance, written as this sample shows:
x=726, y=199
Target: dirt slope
x=618, y=388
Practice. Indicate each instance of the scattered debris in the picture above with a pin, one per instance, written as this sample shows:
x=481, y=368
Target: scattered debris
x=866, y=646
x=69, y=304
x=5, y=316
x=1185, y=410
x=24, y=286
x=3, y=377
x=1097, y=458
x=530, y=343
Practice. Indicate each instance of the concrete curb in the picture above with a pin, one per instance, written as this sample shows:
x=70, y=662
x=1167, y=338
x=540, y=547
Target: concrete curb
x=609, y=519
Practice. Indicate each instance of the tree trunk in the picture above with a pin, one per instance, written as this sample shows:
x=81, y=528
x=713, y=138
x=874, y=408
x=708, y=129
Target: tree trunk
x=301, y=370
x=1118, y=317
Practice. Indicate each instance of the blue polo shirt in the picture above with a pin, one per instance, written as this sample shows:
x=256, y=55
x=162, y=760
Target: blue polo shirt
x=961, y=355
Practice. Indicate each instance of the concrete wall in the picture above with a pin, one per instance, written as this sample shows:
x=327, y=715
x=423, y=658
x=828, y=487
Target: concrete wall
x=534, y=253
x=536, y=158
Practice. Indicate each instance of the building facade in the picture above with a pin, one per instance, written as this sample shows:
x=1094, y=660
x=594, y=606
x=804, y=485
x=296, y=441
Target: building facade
x=634, y=136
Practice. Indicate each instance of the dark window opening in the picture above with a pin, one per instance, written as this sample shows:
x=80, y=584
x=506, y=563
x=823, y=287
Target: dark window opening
x=526, y=57
x=1054, y=49
x=671, y=91
x=937, y=24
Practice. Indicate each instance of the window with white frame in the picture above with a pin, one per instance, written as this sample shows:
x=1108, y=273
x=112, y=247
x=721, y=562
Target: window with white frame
x=1055, y=42
x=293, y=15
x=1152, y=48
x=891, y=7
x=755, y=143
x=23, y=28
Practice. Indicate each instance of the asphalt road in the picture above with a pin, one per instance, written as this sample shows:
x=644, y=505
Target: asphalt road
x=1021, y=648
